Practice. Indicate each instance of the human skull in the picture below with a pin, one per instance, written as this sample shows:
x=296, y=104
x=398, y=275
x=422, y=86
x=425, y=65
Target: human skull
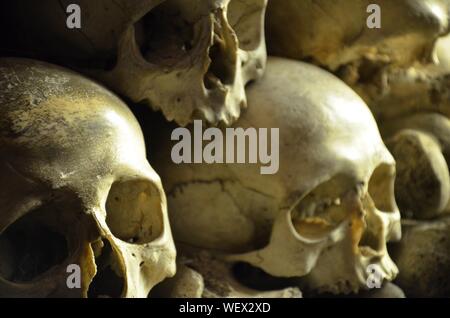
x=322, y=31
x=75, y=189
x=188, y=59
x=409, y=91
x=397, y=69
x=403, y=91
x=329, y=210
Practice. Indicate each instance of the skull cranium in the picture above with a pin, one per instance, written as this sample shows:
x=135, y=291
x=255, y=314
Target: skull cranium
x=76, y=189
x=186, y=58
x=329, y=211
x=395, y=68
x=322, y=32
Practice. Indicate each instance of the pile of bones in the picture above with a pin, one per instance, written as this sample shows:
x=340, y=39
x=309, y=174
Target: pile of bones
x=86, y=175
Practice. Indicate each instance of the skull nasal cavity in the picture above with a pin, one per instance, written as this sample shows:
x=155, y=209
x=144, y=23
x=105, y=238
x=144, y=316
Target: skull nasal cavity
x=31, y=246
x=134, y=212
x=222, y=69
x=109, y=280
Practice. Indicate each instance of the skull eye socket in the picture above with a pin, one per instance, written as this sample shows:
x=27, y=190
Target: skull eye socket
x=32, y=245
x=164, y=35
x=134, y=211
x=243, y=16
x=322, y=210
x=381, y=188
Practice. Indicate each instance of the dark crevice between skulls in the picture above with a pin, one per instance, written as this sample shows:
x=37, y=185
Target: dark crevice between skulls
x=255, y=278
